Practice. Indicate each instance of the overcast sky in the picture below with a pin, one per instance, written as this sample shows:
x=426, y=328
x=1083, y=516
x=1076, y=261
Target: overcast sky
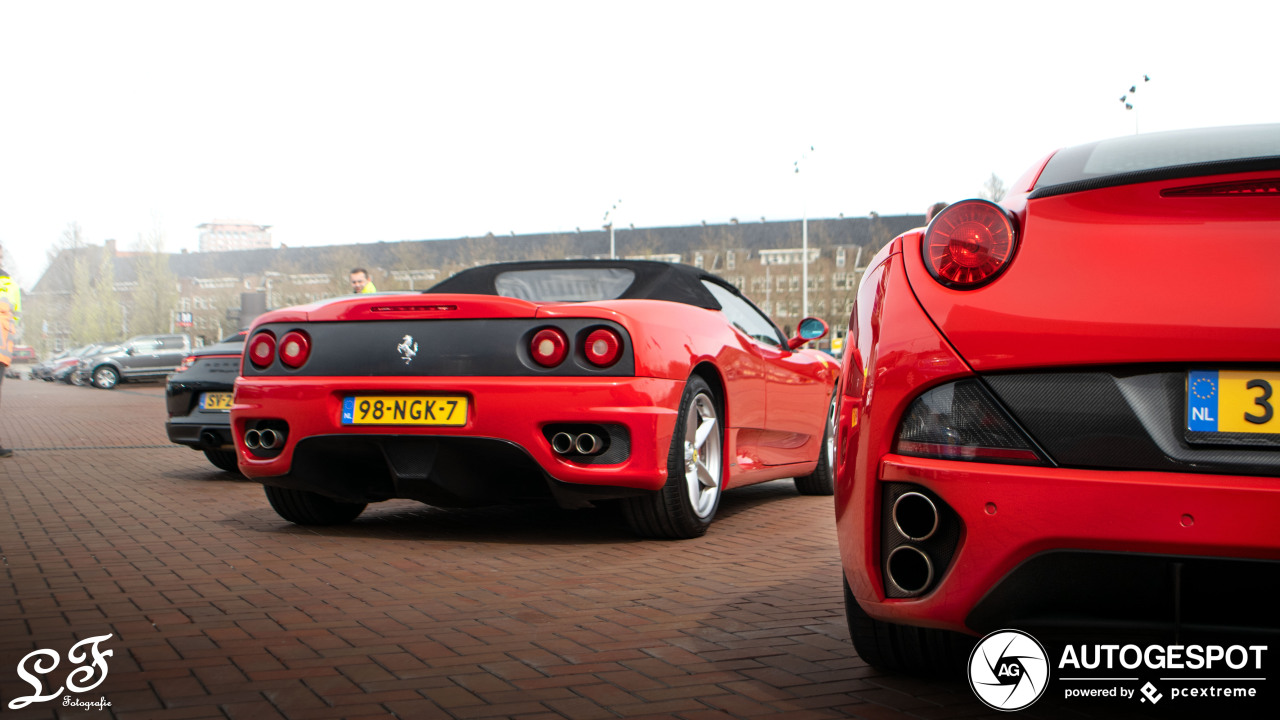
x=366, y=121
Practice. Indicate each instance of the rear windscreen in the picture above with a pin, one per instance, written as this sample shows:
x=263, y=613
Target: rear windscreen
x=1154, y=151
x=564, y=284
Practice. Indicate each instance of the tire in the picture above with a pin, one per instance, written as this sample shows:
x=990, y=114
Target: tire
x=303, y=507
x=223, y=460
x=105, y=377
x=906, y=649
x=685, y=506
x=822, y=481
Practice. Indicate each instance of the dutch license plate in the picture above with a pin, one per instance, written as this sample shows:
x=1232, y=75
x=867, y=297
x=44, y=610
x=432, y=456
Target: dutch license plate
x=216, y=401
x=438, y=410
x=1233, y=401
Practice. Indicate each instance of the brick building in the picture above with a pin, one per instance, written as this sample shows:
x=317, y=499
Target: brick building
x=764, y=259
x=224, y=235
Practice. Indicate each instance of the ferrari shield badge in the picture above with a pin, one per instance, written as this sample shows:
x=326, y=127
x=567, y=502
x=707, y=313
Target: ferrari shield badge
x=408, y=349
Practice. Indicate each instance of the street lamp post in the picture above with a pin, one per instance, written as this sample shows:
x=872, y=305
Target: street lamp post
x=609, y=221
x=1129, y=101
x=804, y=242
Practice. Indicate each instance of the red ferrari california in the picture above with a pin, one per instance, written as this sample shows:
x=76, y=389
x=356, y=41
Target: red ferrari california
x=651, y=384
x=1059, y=412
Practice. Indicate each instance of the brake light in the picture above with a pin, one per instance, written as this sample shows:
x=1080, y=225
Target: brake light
x=413, y=308
x=603, y=347
x=1269, y=186
x=295, y=348
x=549, y=347
x=262, y=348
x=969, y=244
x=187, y=362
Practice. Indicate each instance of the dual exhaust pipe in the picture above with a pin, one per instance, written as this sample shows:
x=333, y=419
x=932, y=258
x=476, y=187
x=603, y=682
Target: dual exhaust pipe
x=564, y=443
x=909, y=568
x=266, y=439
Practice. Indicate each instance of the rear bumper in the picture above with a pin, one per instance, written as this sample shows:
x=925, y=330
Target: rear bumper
x=1067, y=547
x=508, y=411
x=201, y=433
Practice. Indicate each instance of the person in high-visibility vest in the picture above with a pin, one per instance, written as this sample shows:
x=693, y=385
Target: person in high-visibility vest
x=10, y=307
x=361, y=282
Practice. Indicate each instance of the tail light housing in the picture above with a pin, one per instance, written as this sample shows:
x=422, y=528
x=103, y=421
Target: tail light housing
x=295, y=348
x=961, y=421
x=187, y=362
x=549, y=347
x=603, y=347
x=969, y=244
x=262, y=349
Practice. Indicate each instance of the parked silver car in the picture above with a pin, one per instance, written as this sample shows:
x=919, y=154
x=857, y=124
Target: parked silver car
x=144, y=357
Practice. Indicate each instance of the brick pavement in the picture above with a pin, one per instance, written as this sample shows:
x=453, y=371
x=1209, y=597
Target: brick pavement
x=219, y=609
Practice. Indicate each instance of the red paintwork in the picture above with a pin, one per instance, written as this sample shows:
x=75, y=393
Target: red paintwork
x=774, y=406
x=1113, y=276
x=1123, y=275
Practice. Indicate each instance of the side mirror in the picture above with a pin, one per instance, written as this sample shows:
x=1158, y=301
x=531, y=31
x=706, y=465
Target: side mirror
x=130, y=350
x=810, y=329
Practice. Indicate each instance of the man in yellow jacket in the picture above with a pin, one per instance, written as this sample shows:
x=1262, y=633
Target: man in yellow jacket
x=10, y=307
x=361, y=282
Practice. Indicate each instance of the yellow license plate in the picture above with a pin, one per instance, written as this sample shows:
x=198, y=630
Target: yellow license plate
x=436, y=410
x=220, y=401
x=1233, y=401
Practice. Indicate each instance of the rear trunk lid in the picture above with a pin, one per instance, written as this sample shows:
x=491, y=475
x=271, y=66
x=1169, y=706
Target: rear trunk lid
x=1124, y=274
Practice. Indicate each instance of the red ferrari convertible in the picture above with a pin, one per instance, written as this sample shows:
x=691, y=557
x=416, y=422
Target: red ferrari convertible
x=651, y=384
x=1059, y=412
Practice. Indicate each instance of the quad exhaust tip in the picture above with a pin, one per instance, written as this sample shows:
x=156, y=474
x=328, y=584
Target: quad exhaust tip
x=915, y=516
x=910, y=570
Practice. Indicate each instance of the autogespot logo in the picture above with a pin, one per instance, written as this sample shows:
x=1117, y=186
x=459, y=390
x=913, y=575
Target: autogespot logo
x=1008, y=670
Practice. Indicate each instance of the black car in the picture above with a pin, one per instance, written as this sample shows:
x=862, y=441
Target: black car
x=198, y=398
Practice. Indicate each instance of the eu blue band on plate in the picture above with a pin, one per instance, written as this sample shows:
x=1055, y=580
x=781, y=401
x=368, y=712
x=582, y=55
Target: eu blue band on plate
x=348, y=410
x=1202, y=400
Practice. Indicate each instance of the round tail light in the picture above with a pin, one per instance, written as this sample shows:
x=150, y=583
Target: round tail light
x=969, y=244
x=295, y=348
x=262, y=348
x=549, y=347
x=603, y=347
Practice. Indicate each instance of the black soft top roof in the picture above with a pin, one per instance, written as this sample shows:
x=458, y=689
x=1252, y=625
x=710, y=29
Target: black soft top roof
x=652, y=280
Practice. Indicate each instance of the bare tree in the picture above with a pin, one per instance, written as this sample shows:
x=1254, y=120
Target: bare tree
x=156, y=295
x=993, y=189
x=108, y=316
x=80, y=315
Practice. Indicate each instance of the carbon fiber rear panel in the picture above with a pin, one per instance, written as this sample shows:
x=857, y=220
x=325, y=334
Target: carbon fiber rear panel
x=1121, y=419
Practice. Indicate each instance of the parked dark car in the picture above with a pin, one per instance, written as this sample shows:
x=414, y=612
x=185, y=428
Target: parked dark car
x=143, y=357
x=44, y=370
x=198, y=399
x=63, y=368
x=81, y=371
